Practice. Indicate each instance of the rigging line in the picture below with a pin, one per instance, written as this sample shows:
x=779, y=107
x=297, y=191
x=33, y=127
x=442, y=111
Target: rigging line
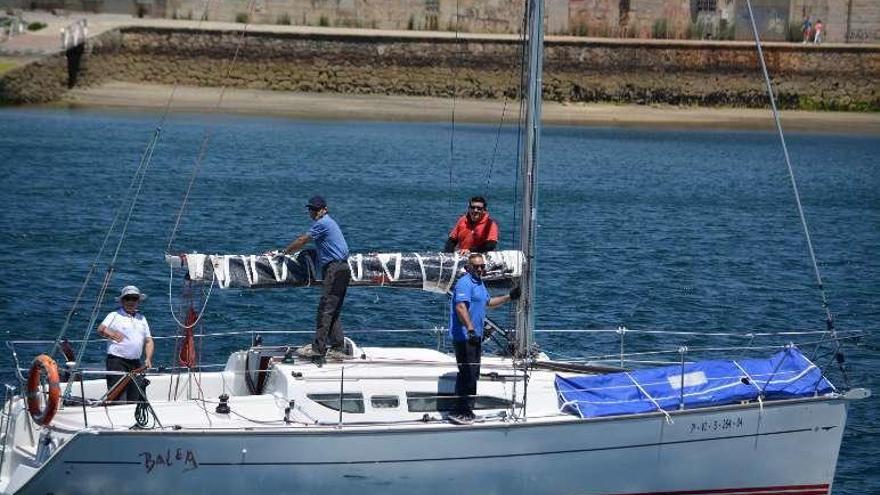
x=145, y=157
x=497, y=141
x=521, y=119
x=823, y=375
x=203, y=147
x=121, y=208
x=829, y=320
x=495, y=150
x=167, y=108
x=201, y=311
x=454, y=90
x=140, y=175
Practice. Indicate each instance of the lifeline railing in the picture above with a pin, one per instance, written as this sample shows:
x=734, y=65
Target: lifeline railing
x=621, y=339
x=623, y=358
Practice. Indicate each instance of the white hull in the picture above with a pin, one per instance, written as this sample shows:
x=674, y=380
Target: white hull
x=784, y=447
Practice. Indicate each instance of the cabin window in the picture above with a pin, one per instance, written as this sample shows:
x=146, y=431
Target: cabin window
x=429, y=402
x=351, y=403
x=384, y=402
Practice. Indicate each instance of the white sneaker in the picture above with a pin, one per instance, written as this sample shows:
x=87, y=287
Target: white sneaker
x=460, y=419
x=306, y=351
x=336, y=355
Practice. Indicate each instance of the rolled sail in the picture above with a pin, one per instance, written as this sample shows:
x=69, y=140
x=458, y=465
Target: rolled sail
x=435, y=272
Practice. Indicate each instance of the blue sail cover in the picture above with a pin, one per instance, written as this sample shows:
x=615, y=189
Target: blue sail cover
x=787, y=374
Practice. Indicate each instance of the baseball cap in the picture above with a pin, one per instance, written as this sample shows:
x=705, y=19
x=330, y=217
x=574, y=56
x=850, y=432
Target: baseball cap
x=316, y=203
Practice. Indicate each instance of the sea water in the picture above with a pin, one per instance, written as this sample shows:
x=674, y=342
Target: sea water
x=651, y=230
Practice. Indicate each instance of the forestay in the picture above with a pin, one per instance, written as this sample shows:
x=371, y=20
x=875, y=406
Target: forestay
x=435, y=272
x=787, y=374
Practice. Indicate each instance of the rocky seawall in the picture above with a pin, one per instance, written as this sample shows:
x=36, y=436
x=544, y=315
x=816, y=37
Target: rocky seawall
x=825, y=77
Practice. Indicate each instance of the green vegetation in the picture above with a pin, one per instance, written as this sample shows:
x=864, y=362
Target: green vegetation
x=579, y=28
x=660, y=29
x=349, y=23
x=242, y=17
x=36, y=26
x=411, y=23
x=698, y=31
x=432, y=24
x=177, y=15
x=323, y=21
x=726, y=30
x=283, y=19
x=6, y=66
x=833, y=105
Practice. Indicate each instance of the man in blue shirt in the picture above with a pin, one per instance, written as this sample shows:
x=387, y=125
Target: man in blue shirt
x=333, y=263
x=466, y=319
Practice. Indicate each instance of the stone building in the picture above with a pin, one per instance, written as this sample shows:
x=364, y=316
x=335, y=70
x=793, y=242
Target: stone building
x=854, y=21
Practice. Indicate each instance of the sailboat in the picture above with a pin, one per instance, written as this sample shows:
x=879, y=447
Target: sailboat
x=377, y=420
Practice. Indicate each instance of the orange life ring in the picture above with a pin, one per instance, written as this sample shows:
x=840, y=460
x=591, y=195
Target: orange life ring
x=43, y=364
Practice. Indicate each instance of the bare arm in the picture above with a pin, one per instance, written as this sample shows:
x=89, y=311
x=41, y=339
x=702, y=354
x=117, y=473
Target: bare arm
x=297, y=244
x=498, y=300
x=148, y=352
x=110, y=334
x=461, y=309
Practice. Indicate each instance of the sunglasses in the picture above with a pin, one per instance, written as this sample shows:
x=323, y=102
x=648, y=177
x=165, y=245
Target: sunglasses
x=480, y=267
x=131, y=298
x=477, y=208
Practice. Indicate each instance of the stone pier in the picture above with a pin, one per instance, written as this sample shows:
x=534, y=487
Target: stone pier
x=360, y=61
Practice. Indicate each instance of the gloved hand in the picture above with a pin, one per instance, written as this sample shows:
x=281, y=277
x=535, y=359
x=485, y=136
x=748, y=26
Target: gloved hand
x=514, y=293
x=472, y=337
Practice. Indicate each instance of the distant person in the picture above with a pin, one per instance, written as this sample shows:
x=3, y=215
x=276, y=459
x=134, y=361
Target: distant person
x=467, y=314
x=333, y=265
x=819, y=32
x=807, y=29
x=475, y=231
x=129, y=335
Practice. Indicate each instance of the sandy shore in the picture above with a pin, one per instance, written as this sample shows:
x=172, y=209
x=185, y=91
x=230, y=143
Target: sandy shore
x=403, y=108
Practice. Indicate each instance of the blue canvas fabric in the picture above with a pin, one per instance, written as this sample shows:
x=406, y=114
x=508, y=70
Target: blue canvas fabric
x=787, y=374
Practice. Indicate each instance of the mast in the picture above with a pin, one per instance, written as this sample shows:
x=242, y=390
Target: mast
x=525, y=319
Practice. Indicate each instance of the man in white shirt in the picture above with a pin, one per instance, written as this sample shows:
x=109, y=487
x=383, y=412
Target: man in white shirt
x=129, y=338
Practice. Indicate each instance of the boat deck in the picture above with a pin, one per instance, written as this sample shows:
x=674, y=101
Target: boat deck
x=397, y=387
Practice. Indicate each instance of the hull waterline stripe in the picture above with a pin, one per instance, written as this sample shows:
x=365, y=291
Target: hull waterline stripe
x=768, y=490
x=459, y=458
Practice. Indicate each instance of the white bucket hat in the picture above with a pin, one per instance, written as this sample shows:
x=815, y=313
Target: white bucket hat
x=130, y=290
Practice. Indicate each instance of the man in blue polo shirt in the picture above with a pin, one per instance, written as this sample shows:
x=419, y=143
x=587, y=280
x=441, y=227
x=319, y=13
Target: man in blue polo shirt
x=467, y=315
x=333, y=263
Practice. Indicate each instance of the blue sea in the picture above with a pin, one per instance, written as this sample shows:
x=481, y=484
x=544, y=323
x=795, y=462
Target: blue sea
x=694, y=232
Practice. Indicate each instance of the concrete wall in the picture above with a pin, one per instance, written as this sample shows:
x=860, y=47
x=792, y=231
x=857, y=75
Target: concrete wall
x=496, y=16
x=854, y=21
x=771, y=18
x=132, y=7
x=576, y=70
x=672, y=19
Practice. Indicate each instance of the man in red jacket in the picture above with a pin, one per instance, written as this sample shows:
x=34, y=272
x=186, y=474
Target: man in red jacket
x=475, y=231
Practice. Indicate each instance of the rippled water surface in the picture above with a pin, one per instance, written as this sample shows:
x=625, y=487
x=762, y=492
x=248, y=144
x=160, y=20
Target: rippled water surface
x=651, y=230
